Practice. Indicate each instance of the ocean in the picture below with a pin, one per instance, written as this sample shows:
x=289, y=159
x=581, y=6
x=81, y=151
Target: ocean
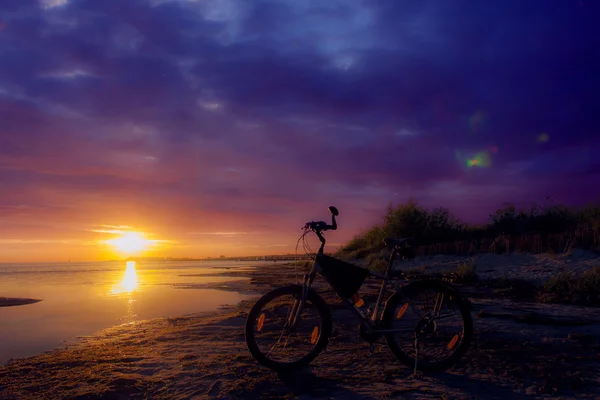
x=79, y=299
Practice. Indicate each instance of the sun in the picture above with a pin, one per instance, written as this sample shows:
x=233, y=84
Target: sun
x=130, y=243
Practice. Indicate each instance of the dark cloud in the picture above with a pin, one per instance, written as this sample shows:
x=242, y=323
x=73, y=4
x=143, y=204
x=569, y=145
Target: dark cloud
x=268, y=110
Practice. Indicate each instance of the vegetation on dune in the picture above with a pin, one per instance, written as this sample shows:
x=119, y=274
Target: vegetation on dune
x=564, y=288
x=465, y=273
x=573, y=289
x=540, y=228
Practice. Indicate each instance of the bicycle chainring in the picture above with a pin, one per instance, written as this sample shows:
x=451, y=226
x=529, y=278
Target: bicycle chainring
x=367, y=336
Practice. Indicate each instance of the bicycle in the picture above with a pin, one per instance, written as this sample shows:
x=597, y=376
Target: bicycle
x=346, y=279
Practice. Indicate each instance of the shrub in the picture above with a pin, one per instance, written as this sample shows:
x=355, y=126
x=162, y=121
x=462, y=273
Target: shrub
x=569, y=288
x=465, y=273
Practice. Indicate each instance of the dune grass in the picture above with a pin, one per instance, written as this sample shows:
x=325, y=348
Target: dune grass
x=572, y=289
x=564, y=288
x=540, y=228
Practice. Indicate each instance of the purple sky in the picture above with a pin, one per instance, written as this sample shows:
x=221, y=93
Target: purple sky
x=224, y=125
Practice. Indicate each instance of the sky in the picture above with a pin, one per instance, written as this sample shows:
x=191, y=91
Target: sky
x=222, y=126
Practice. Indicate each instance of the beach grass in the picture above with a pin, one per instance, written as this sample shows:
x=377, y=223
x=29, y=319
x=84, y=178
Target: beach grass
x=539, y=228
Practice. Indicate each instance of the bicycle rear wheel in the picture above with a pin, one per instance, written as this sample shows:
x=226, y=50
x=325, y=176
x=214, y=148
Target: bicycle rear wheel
x=431, y=321
x=277, y=343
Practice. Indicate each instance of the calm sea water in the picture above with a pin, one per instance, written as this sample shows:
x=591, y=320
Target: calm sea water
x=81, y=298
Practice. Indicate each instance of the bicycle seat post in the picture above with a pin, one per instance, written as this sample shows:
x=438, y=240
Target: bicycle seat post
x=388, y=270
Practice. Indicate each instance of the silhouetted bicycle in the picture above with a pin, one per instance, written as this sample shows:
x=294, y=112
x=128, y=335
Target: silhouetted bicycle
x=297, y=320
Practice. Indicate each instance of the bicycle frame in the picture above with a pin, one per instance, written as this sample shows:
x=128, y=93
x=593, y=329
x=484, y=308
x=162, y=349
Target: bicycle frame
x=369, y=321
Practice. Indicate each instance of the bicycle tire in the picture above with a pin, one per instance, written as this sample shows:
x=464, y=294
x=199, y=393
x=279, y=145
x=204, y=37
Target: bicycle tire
x=465, y=312
x=320, y=345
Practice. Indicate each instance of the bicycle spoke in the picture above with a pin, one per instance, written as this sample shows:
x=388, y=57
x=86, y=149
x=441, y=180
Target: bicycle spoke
x=427, y=327
x=287, y=329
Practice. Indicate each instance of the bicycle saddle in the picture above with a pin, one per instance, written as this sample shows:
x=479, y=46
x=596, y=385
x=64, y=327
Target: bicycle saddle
x=391, y=242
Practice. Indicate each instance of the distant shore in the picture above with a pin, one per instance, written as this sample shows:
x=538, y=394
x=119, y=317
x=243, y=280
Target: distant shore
x=522, y=350
x=270, y=258
x=16, y=301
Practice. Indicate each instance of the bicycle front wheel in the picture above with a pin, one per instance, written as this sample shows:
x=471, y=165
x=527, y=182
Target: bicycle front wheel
x=430, y=322
x=282, y=332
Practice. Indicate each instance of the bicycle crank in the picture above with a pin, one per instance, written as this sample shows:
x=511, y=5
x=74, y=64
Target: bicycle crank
x=366, y=335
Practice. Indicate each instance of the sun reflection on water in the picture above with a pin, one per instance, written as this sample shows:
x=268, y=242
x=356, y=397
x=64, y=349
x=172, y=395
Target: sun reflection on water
x=129, y=283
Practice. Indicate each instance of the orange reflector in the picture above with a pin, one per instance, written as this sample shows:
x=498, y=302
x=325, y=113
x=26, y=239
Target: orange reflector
x=358, y=301
x=315, y=335
x=402, y=311
x=261, y=322
x=452, y=342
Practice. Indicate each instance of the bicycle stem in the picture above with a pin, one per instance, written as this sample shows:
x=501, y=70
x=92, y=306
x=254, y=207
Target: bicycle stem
x=322, y=239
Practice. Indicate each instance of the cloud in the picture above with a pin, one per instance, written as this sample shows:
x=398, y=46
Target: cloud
x=242, y=116
x=44, y=241
x=113, y=231
x=48, y=4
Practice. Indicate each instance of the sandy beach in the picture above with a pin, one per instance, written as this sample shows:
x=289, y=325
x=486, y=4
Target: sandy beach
x=520, y=350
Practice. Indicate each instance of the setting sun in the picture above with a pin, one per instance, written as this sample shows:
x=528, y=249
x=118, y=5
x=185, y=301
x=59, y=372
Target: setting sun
x=130, y=243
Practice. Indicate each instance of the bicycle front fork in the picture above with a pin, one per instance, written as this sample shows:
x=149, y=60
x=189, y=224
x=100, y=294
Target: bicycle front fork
x=298, y=306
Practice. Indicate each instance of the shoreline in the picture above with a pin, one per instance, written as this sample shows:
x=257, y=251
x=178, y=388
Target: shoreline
x=205, y=356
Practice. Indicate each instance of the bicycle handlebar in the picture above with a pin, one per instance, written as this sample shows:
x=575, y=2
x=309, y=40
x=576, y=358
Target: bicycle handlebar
x=321, y=226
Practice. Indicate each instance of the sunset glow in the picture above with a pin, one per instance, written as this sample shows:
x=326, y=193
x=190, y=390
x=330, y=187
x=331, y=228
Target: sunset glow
x=130, y=243
x=176, y=121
